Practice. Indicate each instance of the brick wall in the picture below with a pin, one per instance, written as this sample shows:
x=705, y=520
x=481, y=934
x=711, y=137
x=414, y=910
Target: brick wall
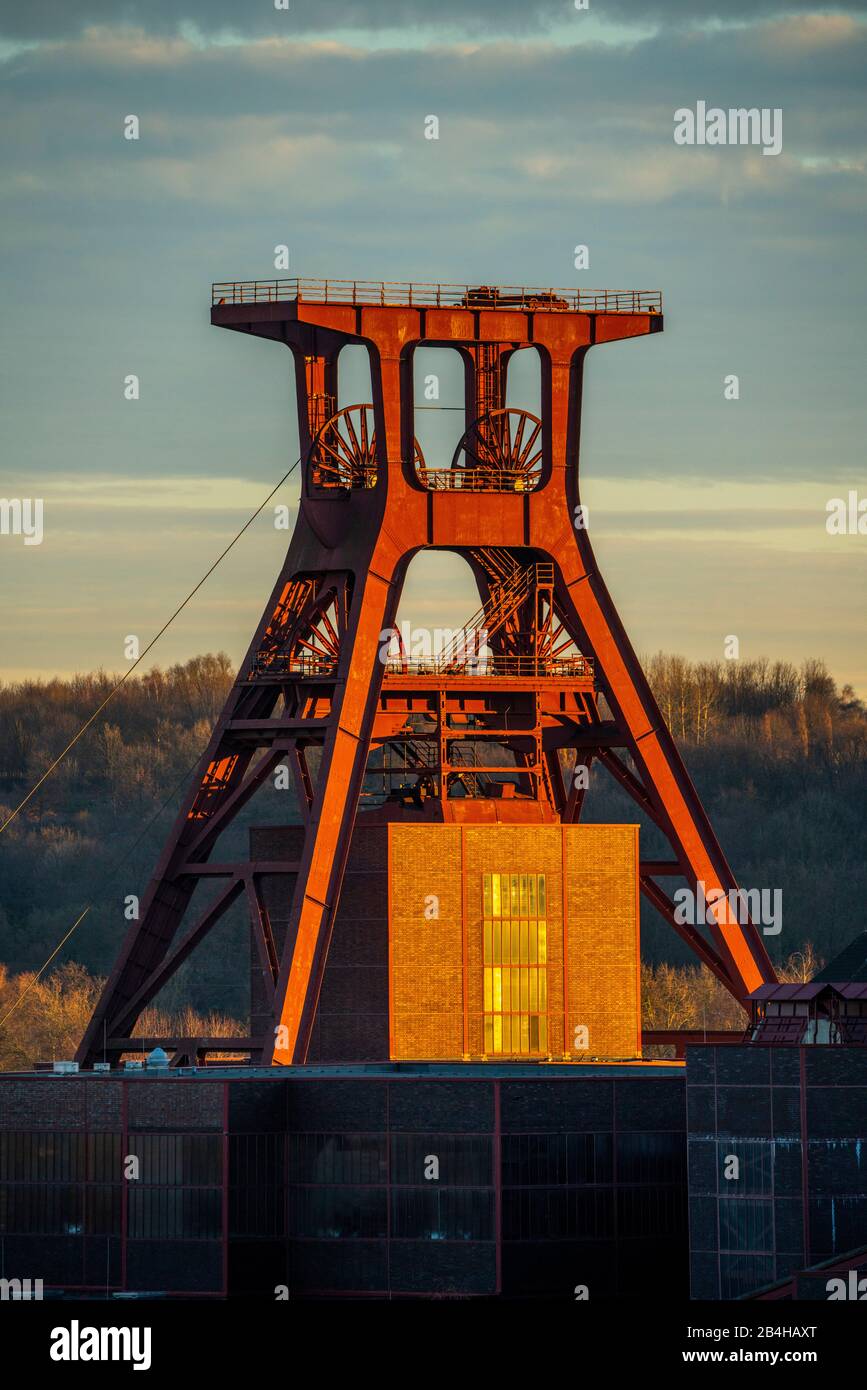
x=426, y=959
x=436, y=962
x=601, y=873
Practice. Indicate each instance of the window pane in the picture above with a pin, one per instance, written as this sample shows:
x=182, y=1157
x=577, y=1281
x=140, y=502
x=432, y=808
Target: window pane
x=103, y=1210
x=431, y=1214
x=337, y=1158
x=557, y=1213
x=515, y=942
x=755, y=1166
x=745, y=1224
x=464, y=1160
x=103, y=1158
x=179, y=1159
x=158, y=1213
x=741, y=1274
x=338, y=1213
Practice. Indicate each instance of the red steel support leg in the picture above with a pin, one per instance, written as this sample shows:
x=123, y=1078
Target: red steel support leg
x=332, y=815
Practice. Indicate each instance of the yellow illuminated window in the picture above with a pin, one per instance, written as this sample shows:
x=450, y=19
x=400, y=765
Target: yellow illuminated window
x=515, y=956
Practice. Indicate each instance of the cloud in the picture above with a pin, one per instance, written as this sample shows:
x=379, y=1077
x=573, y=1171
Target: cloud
x=39, y=19
x=810, y=32
x=520, y=124
x=88, y=495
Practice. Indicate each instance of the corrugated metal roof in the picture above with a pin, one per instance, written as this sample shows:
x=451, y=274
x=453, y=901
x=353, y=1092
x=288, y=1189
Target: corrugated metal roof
x=798, y=990
x=854, y=990
x=847, y=989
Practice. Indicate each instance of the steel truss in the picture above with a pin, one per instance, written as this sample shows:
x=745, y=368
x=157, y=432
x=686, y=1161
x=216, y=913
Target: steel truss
x=542, y=677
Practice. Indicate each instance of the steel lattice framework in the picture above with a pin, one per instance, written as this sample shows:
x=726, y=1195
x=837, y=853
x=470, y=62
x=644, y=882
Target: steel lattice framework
x=526, y=675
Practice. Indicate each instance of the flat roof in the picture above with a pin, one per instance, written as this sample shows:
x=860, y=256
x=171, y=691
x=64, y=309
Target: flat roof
x=384, y=1071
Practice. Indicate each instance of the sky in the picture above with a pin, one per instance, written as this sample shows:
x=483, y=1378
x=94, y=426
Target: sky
x=305, y=127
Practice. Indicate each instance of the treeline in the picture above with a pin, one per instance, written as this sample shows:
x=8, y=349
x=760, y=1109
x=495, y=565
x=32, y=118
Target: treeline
x=690, y=997
x=43, y=1019
x=779, y=756
x=153, y=726
x=92, y=833
x=797, y=711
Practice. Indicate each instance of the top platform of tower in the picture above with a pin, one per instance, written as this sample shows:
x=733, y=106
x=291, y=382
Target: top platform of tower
x=415, y=295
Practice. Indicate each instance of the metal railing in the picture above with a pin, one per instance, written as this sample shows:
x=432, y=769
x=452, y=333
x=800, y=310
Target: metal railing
x=415, y=294
x=279, y=664
x=478, y=479
x=574, y=667
x=361, y=476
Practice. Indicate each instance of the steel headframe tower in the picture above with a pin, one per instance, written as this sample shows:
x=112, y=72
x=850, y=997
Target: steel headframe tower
x=314, y=693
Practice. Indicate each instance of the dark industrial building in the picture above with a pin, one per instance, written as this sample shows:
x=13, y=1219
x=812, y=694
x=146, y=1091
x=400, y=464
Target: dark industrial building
x=466, y=1181
x=794, y=1118
x=377, y=1181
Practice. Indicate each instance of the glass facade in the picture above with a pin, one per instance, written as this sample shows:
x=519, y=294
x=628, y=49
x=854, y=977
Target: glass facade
x=515, y=955
x=593, y=1186
x=60, y=1183
x=557, y=1159
x=86, y=1188
x=776, y=1178
x=406, y=1186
